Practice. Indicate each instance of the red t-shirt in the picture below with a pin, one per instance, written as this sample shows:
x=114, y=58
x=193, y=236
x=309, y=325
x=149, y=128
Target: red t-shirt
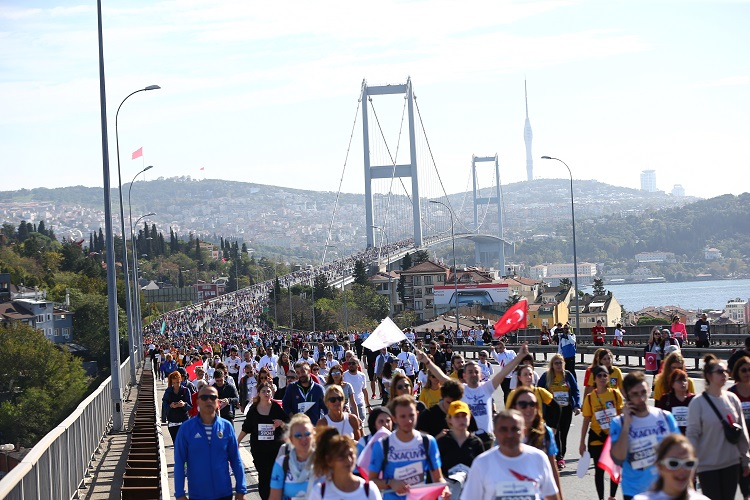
x=598, y=333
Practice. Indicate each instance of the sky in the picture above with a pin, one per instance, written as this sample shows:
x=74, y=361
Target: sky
x=268, y=92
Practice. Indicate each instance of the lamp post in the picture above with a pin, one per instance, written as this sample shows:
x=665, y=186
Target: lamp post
x=575, y=256
x=312, y=294
x=136, y=287
x=114, y=341
x=455, y=269
x=136, y=290
x=343, y=288
x=387, y=262
x=128, y=302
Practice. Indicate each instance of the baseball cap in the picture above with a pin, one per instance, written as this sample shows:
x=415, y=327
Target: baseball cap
x=599, y=369
x=458, y=407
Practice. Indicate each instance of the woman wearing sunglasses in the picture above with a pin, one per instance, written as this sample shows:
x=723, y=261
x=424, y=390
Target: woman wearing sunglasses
x=536, y=432
x=265, y=424
x=347, y=424
x=563, y=386
x=430, y=392
x=334, y=461
x=662, y=386
x=600, y=406
x=721, y=463
x=336, y=377
x=292, y=470
x=676, y=463
x=401, y=385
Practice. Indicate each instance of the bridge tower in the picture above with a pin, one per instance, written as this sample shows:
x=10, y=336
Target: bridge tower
x=386, y=171
x=484, y=252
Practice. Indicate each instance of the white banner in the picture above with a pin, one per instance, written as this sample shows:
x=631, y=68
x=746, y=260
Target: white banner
x=385, y=334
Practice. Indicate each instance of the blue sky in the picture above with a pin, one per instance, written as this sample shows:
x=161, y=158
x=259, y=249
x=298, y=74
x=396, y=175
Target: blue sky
x=267, y=92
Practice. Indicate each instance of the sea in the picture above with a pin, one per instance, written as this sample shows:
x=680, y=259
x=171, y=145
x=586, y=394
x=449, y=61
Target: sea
x=688, y=295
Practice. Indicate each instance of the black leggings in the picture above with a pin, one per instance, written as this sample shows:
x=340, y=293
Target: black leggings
x=596, y=451
x=264, y=465
x=721, y=483
x=563, y=426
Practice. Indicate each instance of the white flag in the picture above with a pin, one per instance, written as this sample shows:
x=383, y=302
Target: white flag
x=385, y=334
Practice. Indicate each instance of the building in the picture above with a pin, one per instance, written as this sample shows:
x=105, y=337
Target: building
x=648, y=181
x=584, y=269
x=678, y=191
x=738, y=310
x=712, y=254
x=387, y=284
x=653, y=257
x=524, y=287
x=419, y=281
x=599, y=307
x=32, y=308
x=551, y=307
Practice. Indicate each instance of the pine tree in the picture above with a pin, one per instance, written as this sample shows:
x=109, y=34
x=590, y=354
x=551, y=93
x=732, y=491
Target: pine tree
x=360, y=273
x=41, y=229
x=406, y=262
x=599, y=287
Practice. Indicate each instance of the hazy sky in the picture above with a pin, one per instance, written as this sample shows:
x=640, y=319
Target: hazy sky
x=267, y=91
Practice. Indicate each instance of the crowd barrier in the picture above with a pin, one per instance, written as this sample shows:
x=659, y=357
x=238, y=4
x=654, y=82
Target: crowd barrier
x=57, y=465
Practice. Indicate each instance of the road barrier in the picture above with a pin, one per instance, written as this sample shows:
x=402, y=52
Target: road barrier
x=57, y=465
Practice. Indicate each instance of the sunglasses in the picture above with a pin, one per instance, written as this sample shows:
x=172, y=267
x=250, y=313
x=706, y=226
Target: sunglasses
x=676, y=463
x=206, y=397
x=335, y=372
x=720, y=371
x=602, y=375
x=401, y=387
x=335, y=399
x=300, y=435
x=525, y=404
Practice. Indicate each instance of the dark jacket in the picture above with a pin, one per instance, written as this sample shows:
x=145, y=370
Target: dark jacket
x=175, y=414
x=229, y=392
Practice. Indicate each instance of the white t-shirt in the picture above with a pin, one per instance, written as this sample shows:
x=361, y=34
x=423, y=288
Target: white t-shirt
x=514, y=380
x=660, y=495
x=358, y=383
x=480, y=404
x=494, y=476
x=618, y=334
x=408, y=361
x=232, y=364
x=504, y=357
x=269, y=363
x=334, y=493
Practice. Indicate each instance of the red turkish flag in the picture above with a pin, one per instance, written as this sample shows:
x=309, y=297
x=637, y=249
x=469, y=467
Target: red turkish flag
x=137, y=153
x=513, y=319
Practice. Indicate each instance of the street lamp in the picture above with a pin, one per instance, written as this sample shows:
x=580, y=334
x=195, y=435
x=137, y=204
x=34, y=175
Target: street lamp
x=136, y=290
x=455, y=269
x=136, y=287
x=128, y=303
x=387, y=262
x=343, y=287
x=575, y=257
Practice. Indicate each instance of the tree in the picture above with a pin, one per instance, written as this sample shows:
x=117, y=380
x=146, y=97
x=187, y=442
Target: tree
x=360, y=273
x=41, y=384
x=566, y=283
x=421, y=256
x=406, y=262
x=405, y=319
x=323, y=289
x=599, y=287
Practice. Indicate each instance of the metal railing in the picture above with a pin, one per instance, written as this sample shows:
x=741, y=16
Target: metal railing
x=56, y=466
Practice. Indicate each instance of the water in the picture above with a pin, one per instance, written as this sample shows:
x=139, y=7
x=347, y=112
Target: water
x=689, y=295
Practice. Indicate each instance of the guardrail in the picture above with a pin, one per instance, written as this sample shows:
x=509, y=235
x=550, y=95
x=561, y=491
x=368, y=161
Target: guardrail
x=56, y=466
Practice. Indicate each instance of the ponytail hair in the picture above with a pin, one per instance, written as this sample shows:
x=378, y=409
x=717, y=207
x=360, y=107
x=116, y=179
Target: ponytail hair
x=329, y=445
x=709, y=363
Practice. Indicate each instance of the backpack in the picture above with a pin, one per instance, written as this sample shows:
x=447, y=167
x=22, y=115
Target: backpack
x=425, y=445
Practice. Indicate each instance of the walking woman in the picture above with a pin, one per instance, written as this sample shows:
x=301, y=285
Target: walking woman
x=655, y=346
x=379, y=417
x=676, y=463
x=292, y=470
x=176, y=403
x=712, y=418
x=545, y=400
x=400, y=385
x=603, y=357
x=334, y=461
x=347, y=424
x=536, y=432
x=677, y=400
x=662, y=385
x=336, y=377
x=741, y=389
x=430, y=393
x=264, y=422
x=458, y=445
x=600, y=406
x=564, y=389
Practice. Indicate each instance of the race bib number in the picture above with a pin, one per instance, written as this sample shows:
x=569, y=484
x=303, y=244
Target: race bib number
x=603, y=417
x=680, y=415
x=410, y=474
x=561, y=398
x=265, y=432
x=746, y=410
x=305, y=406
x=643, y=452
x=515, y=490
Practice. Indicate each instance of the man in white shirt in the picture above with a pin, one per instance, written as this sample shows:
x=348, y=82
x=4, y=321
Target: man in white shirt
x=232, y=363
x=504, y=356
x=305, y=356
x=478, y=395
x=358, y=382
x=512, y=469
x=248, y=360
x=407, y=361
x=269, y=362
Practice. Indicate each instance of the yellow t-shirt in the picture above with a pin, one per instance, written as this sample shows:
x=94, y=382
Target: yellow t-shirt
x=453, y=375
x=430, y=397
x=560, y=390
x=658, y=392
x=602, y=408
x=543, y=397
x=615, y=379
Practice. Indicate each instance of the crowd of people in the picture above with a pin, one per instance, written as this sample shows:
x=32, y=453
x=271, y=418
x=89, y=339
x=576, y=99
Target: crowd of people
x=328, y=418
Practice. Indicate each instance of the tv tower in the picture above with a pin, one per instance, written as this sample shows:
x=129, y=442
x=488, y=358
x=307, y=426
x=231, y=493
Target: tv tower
x=527, y=135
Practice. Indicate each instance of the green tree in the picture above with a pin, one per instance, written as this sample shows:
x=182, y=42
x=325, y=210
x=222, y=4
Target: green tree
x=360, y=273
x=420, y=256
x=405, y=319
x=41, y=384
x=406, y=262
x=322, y=289
x=366, y=299
x=599, y=287
x=565, y=282
x=91, y=324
